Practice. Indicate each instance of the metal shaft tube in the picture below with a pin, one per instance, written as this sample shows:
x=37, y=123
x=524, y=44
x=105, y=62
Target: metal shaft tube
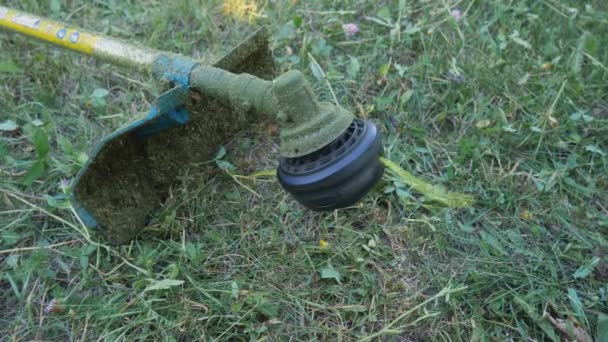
x=104, y=48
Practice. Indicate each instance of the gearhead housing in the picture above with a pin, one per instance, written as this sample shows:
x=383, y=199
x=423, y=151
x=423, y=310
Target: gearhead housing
x=329, y=159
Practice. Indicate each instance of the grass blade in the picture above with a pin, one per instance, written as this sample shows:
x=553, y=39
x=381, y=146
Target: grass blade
x=433, y=192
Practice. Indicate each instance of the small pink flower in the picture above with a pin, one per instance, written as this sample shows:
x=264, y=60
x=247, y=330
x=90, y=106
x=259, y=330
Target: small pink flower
x=456, y=14
x=350, y=29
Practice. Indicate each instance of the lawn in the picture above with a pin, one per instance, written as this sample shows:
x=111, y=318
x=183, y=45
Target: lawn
x=503, y=100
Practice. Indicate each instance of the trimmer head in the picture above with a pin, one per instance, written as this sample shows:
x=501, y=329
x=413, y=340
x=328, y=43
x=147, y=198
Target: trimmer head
x=339, y=174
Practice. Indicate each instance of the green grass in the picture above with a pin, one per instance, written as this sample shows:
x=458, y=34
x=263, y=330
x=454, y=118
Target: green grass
x=509, y=104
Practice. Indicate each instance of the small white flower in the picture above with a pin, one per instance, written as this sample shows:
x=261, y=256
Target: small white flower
x=456, y=14
x=64, y=184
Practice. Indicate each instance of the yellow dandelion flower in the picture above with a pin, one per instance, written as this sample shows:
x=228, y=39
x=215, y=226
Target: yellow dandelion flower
x=324, y=244
x=241, y=9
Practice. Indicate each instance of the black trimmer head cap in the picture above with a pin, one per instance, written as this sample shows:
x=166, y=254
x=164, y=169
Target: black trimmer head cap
x=339, y=174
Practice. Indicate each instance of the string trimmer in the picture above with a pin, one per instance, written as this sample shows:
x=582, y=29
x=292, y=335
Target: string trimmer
x=328, y=158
